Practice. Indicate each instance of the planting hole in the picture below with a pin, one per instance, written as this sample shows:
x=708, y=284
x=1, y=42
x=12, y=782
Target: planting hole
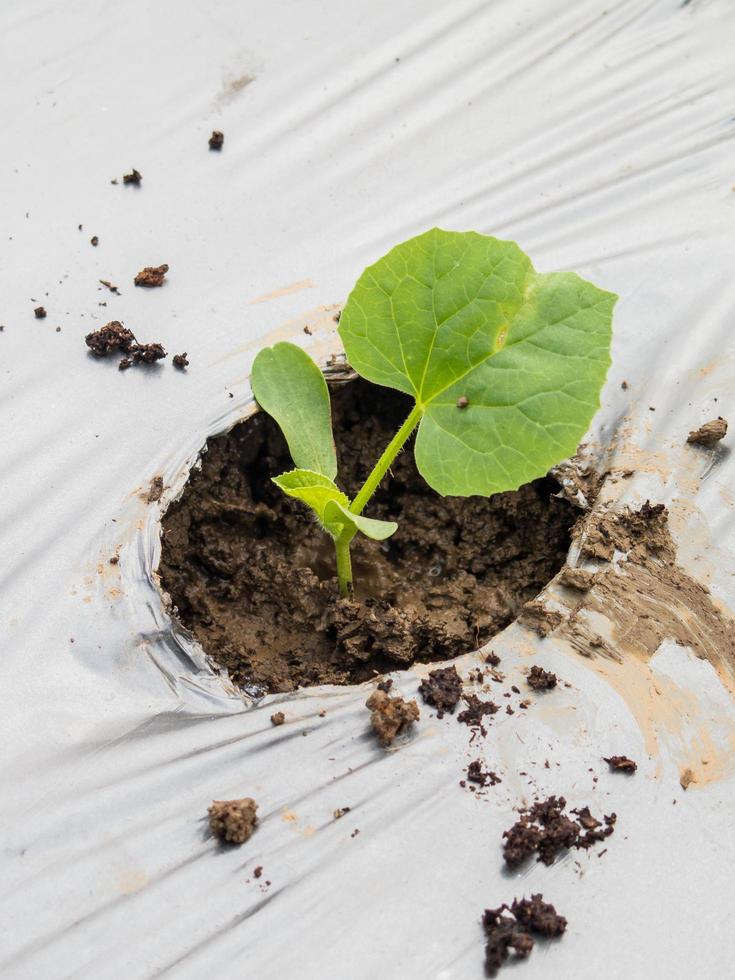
x=251, y=573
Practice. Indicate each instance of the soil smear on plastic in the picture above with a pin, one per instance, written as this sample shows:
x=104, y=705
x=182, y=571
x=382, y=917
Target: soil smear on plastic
x=252, y=575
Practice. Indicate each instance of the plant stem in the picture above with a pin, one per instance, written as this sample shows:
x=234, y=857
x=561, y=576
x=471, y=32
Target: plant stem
x=381, y=467
x=344, y=564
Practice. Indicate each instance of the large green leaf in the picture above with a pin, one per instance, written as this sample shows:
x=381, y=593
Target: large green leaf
x=337, y=512
x=291, y=388
x=314, y=489
x=505, y=364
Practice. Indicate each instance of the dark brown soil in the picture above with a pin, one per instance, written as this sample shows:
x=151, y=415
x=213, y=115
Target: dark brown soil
x=216, y=140
x=709, y=434
x=108, y=285
x=253, y=576
x=115, y=338
x=442, y=689
x=476, y=712
x=233, y=820
x=390, y=715
x=545, y=828
x=40, y=313
x=181, y=361
x=513, y=926
x=151, y=276
x=476, y=774
x=540, y=679
x=278, y=718
x=621, y=763
x=134, y=177
x=94, y=240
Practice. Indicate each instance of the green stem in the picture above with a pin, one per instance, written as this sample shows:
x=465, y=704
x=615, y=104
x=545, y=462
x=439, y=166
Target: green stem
x=381, y=467
x=344, y=563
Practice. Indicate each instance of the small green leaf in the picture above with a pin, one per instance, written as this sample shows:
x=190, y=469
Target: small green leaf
x=314, y=489
x=505, y=364
x=289, y=386
x=337, y=512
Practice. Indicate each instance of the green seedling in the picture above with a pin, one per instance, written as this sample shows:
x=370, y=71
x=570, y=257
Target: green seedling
x=504, y=364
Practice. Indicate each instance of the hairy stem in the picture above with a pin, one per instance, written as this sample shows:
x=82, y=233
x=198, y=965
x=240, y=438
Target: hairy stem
x=344, y=563
x=381, y=467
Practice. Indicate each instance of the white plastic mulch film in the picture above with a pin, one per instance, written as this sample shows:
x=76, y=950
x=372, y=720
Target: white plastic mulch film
x=600, y=137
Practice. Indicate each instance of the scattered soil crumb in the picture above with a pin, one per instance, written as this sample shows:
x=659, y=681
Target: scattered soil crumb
x=621, y=763
x=385, y=685
x=687, y=778
x=476, y=711
x=108, y=285
x=576, y=578
x=94, y=240
x=307, y=331
x=355, y=832
x=115, y=560
x=40, y=312
x=341, y=811
x=151, y=276
x=257, y=872
x=545, y=829
x=110, y=338
x=537, y=617
x=709, y=434
x=155, y=491
x=513, y=927
x=278, y=718
x=216, y=140
x=233, y=820
x=540, y=679
x=624, y=385
x=181, y=361
x=390, y=716
x=442, y=689
x=134, y=177
x=143, y=354
x=476, y=774
x=493, y=659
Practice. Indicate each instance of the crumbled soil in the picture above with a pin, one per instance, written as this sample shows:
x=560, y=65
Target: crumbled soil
x=40, y=313
x=621, y=763
x=94, y=240
x=216, y=140
x=513, y=927
x=576, y=578
x=540, y=679
x=252, y=575
x=233, y=820
x=442, y=689
x=709, y=434
x=134, y=177
x=152, y=276
x=540, y=619
x=341, y=811
x=544, y=828
x=155, y=491
x=142, y=354
x=278, y=718
x=108, y=285
x=476, y=711
x=181, y=361
x=109, y=339
x=483, y=777
x=390, y=716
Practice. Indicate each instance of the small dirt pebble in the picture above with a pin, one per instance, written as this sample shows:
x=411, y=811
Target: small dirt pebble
x=476, y=711
x=257, y=872
x=278, y=718
x=108, y=285
x=341, y=811
x=216, y=140
x=181, y=361
x=476, y=774
x=513, y=927
x=40, y=312
x=621, y=763
x=493, y=659
x=540, y=679
x=709, y=434
x=155, y=491
x=545, y=829
x=151, y=276
x=390, y=716
x=442, y=689
x=576, y=578
x=233, y=820
x=134, y=177
x=110, y=338
x=94, y=240
x=385, y=685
